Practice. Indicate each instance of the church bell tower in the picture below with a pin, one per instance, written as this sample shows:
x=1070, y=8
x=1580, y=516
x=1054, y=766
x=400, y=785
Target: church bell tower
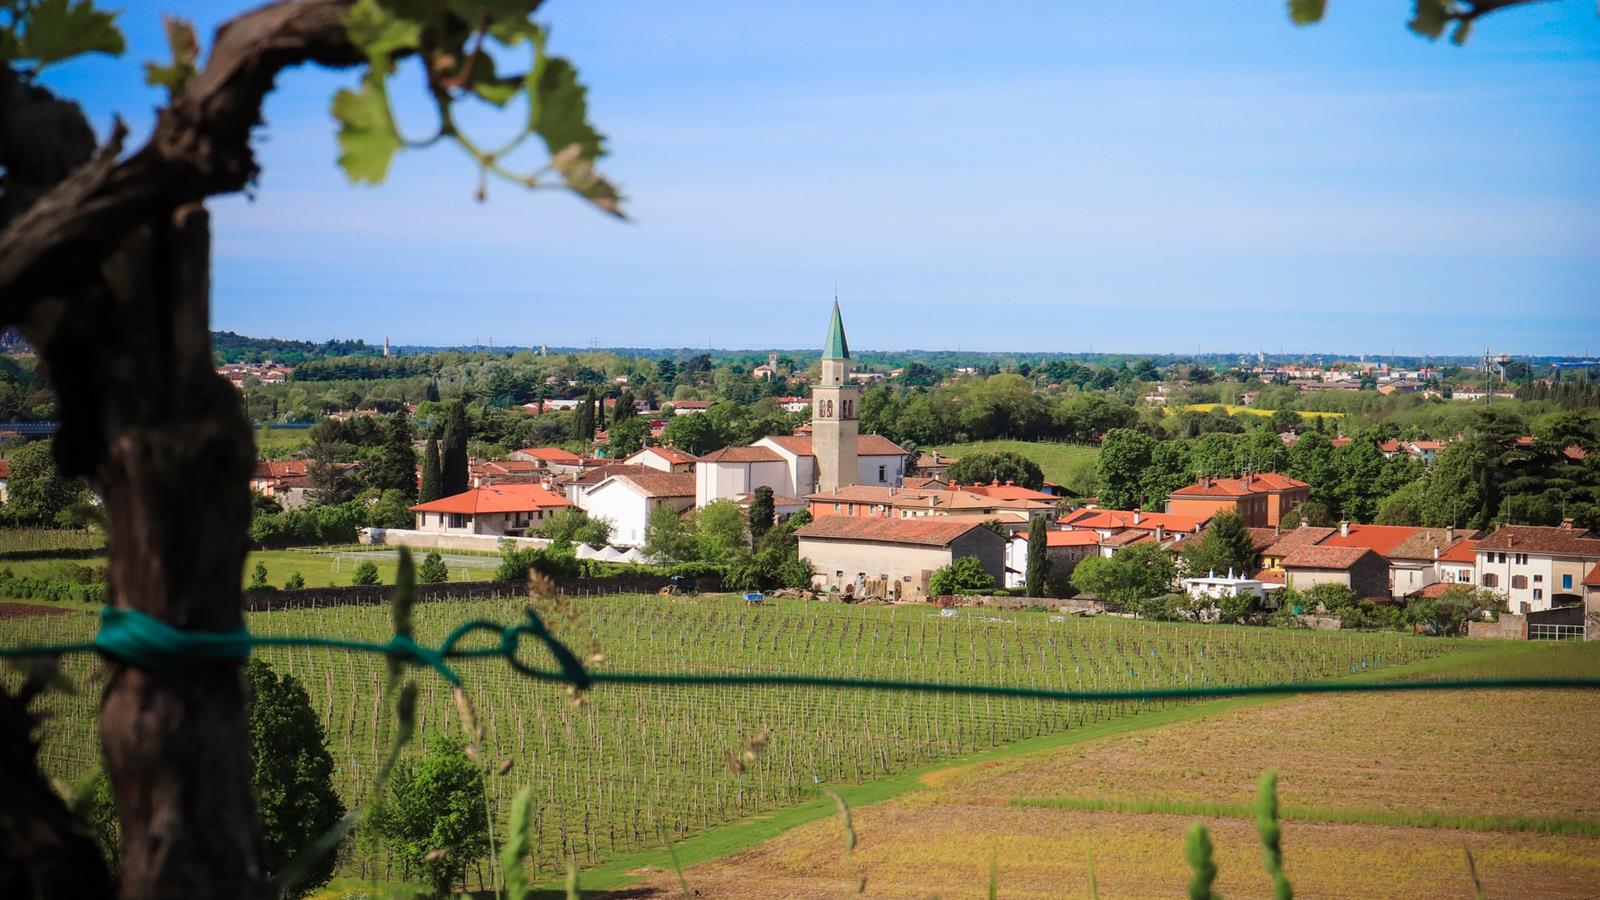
x=834, y=399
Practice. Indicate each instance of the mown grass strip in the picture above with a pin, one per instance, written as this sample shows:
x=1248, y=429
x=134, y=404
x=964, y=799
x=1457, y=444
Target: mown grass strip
x=1318, y=814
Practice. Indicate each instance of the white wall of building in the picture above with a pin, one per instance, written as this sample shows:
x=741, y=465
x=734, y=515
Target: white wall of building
x=621, y=503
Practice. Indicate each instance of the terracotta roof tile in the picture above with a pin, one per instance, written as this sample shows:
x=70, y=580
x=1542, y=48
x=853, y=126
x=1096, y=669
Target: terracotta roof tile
x=742, y=455
x=1543, y=539
x=1322, y=557
x=499, y=498
x=1055, y=537
x=662, y=484
x=1380, y=538
x=866, y=445
x=1294, y=538
x=551, y=454
x=931, y=531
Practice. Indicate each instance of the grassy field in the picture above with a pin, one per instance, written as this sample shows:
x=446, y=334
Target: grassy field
x=319, y=568
x=1380, y=795
x=1070, y=465
x=279, y=443
x=1235, y=410
x=631, y=759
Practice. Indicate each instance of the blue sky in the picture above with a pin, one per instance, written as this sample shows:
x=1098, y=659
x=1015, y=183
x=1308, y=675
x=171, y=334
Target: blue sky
x=1137, y=177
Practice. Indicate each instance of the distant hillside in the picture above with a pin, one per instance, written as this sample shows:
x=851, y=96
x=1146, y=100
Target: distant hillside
x=232, y=347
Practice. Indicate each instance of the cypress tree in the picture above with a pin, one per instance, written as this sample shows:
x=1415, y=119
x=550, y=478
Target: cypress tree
x=453, y=451
x=599, y=410
x=395, y=467
x=625, y=409
x=432, y=488
x=583, y=421
x=1038, y=557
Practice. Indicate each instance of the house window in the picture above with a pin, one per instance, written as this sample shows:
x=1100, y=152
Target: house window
x=1538, y=579
x=1538, y=594
x=836, y=507
x=458, y=520
x=1491, y=580
x=1566, y=582
x=881, y=471
x=1521, y=559
x=1500, y=557
x=1519, y=582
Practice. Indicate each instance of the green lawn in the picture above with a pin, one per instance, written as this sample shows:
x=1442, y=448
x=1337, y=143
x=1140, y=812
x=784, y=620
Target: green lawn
x=1069, y=465
x=277, y=443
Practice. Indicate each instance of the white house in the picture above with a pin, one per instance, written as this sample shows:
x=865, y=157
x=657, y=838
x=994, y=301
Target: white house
x=1215, y=587
x=663, y=459
x=500, y=509
x=626, y=502
x=1537, y=567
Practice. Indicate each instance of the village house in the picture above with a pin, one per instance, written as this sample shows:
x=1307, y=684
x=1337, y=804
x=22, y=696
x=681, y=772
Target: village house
x=502, y=471
x=931, y=464
x=905, y=503
x=286, y=480
x=626, y=501
x=1118, y=529
x=1411, y=552
x=1537, y=567
x=1357, y=568
x=554, y=459
x=1064, y=549
x=503, y=509
x=576, y=487
x=1261, y=499
x=686, y=407
x=769, y=371
x=894, y=558
x=664, y=459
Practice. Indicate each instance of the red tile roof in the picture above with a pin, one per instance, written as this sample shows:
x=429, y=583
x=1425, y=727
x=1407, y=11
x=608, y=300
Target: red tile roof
x=1462, y=551
x=1320, y=557
x=551, y=454
x=1379, y=538
x=670, y=454
x=1257, y=483
x=1007, y=491
x=1121, y=518
x=1593, y=578
x=1055, y=537
x=931, y=531
x=1389, y=446
x=866, y=445
x=1574, y=452
x=743, y=455
x=1425, y=541
x=1557, y=541
x=1297, y=537
x=663, y=484
x=282, y=468
x=499, y=498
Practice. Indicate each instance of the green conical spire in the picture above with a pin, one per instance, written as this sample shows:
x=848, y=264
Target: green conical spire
x=836, y=347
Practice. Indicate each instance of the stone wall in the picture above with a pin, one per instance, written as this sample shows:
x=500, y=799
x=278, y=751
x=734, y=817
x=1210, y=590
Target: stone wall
x=1511, y=627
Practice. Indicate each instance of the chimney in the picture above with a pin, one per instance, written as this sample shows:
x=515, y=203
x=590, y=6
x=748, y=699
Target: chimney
x=1138, y=515
x=1344, y=528
x=1449, y=534
x=1247, y=481
x=1161, y=534
x=1567, y=524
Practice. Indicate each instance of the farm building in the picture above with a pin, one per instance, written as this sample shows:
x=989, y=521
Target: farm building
x=894, y=558
x=1357, y=568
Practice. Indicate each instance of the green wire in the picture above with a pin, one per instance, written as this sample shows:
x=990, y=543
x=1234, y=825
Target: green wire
x=147, y=642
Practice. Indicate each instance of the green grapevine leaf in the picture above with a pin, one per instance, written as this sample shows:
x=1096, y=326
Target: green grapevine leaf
x=559, y=106
x=379, y=30
x=1307, y=12
x=486, y=84
x=61, y=29
x=582, y=179
x=367, y=136
x=185, y=51
x=1431, y=17
x=1459, y=36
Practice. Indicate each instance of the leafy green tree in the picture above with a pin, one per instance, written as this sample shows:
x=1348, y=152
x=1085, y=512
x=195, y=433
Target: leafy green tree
x=394, y=466
x=573, y=526
x=293, y=772
x=719, y=530
x=1125, y=454
x=627, y=436
x=965, y=575
x=667, y=538
x=695, y=433
x=37, y=494
x=366, y=573
x=453, y=451
x=1359, y=469
x=294, y=582
x=435, y=803
x=583, y=420
x=1226, y=546
x=433, y=569
x=1311, y=460
x=331, y=481
x=392, y=509
x=1038, y=557
x=258, y=578
x=1403, y=507
x=432, y=474
x=1333, y=598
x=1169, y=469
x=1453, y=493
x=627, y=407
x=761, y=512
x=1002, y=466
x=1141, y=572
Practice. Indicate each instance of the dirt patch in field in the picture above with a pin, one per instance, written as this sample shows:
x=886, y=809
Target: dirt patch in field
x=29, y=610
x=904, y=852
x=1490, y=753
